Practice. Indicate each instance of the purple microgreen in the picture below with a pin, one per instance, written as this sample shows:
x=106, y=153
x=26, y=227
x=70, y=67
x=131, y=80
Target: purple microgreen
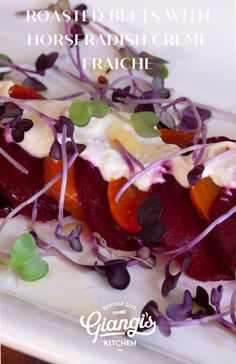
x=158, y=86
x=148, y=106
x=157, y=83
x=171, y=280
x=63, y=120
x=151, y=310
x=216, y=296
x=188, y=120
x=195, y=174
x=70, y=148
x=149, y=211
x=143, y=252
x=120, y=94
x=17, y=135
x=202, y=300
x=76, y=29
x=10, y=110
x=170, y=283
x=81, y=111
x=12, y=113
x=153, y=233
x=25, y=124
x=116, y=273
x=4, y=58
x=181, y=311
x=148, y=217
x=34, y=83
x=74, y=238
x=19, y=127
x=44, y=62
x=144, y=124
x=81, y=8
x=55, y=150
x=165, y=117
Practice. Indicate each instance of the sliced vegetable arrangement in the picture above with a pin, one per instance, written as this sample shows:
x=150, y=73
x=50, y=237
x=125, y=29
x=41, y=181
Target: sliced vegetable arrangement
x=192, y=224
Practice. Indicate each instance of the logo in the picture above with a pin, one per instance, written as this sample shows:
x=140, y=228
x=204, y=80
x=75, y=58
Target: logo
x=117, y=324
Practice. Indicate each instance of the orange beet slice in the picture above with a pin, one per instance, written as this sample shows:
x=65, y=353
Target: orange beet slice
x=203, y=194
x=72, y=200
x=124, y=211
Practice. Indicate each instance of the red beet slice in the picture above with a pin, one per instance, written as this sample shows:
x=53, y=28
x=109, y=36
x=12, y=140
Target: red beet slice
x=92, y=190
x=224, y=234
x=5, y=205
x=183, y=224
x=18, y=187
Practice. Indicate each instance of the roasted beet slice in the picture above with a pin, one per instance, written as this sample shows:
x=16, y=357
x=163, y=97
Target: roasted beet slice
x=92, y=190
x=224, y=234
x=183, y=224
x=18, y=187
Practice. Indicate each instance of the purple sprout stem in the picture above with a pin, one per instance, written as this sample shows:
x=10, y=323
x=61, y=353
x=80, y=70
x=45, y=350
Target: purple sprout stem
x=110, y=31
x=232, y=306
x=134, y=83
x=64, y=177
x=127, y=77
x=57, y=252
x=220, y=156
x=217, y=110
x=77, y=65
x=34, y=213
x=95, y=85
x=71, y=96
x=195, y=113
x=201, y=320
x=16, y=164
x=124, y=155
x=37, y=195
x=131, y=158
x=67, y=30
x=17, y=68
x=155, y=165
x=96, y=252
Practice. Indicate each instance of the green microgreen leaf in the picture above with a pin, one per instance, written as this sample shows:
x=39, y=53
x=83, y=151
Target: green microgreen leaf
x=157, y=70
x=157, y=66
x=144, y=123
x=5, y=58
x=25, y=260
x=81, y=111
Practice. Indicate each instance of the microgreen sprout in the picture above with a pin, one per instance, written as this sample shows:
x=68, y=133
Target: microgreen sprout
x=25, y=260
x=144, y=124
x=148, y=217
x=81, y=111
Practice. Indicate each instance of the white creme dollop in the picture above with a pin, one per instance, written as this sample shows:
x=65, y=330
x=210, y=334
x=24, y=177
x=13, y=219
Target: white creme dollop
x=99, y=136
